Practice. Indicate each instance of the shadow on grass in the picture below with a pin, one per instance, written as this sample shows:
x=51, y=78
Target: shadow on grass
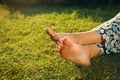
x=103, y=68
x=81, y=11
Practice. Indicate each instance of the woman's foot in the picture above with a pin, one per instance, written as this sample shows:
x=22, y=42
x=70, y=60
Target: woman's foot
x=73, y=52
x=52, y=34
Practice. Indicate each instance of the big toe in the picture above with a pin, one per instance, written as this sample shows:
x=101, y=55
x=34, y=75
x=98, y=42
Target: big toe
x=67, y=41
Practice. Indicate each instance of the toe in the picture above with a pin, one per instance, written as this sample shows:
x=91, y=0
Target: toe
x=58, y=48
x=67, y=41
x=52, y=34
x=60, y=42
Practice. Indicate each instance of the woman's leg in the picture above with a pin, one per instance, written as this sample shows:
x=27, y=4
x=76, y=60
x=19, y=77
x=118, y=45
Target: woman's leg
x=88, y=37
x=78, y=54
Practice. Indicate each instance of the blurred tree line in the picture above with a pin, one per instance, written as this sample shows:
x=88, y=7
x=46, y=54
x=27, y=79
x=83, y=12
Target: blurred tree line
x=67, y=2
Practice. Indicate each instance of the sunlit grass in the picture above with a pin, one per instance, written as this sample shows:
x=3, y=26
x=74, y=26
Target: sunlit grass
x=27, y=52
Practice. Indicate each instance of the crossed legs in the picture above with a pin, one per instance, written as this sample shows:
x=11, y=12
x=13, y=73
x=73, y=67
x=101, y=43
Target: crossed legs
x=74, y=49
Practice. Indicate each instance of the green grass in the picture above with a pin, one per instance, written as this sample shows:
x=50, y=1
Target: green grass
x=27, y=53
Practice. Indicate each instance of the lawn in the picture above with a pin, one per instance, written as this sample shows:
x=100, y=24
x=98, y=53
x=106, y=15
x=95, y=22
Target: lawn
x=27, y=53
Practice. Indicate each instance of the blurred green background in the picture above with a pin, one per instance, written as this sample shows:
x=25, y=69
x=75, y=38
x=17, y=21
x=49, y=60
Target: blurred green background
x=27, y=53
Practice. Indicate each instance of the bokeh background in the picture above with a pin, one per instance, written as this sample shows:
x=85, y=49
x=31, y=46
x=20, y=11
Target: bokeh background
x=26, y=51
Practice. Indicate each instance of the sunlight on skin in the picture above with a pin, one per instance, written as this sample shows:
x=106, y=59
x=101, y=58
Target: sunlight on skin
x=76, y=53
x=26, y=48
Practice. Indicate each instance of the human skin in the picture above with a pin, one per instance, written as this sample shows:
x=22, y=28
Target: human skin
x=78, y=48
x=88, y=37
x=76, y=53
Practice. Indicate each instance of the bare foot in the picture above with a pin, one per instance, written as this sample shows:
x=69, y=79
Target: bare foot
x=52, y=34
x=73, y=52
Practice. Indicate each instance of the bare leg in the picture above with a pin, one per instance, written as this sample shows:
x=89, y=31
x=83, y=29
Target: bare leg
x=78, y=54
x=88, y=37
